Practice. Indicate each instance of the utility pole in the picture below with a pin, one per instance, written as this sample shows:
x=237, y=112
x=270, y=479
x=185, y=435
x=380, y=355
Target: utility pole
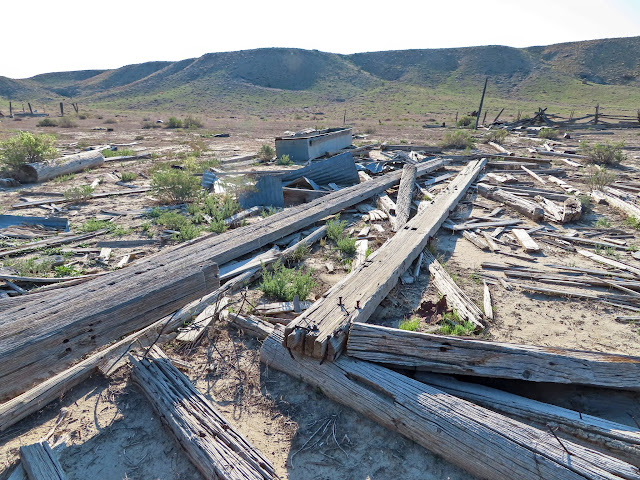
x=481, y=101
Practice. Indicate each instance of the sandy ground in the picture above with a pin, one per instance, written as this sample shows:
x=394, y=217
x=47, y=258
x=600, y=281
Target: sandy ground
x=111, y=432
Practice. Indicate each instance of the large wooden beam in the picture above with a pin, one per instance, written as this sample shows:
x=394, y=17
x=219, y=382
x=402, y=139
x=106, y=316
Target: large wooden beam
x=321, y=331
x=454, y=355
x=619, y=440
x=43, y=171
x=405, y=195
x=40, y=463
x=486, y=444
x=213, y=445
x=525, y=207
x=56, y=330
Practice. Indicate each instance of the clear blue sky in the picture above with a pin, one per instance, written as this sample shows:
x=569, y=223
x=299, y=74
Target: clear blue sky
x=48, y=36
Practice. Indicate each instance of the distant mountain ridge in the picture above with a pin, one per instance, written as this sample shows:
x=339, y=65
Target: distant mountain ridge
x=282, y=74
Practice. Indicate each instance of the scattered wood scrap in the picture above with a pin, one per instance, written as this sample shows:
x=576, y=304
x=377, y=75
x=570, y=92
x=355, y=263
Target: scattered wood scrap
x=40, y=463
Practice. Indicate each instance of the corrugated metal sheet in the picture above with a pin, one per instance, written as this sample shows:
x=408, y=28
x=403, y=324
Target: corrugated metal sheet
x=267, y=192
x=50, y=222
x=340, y=169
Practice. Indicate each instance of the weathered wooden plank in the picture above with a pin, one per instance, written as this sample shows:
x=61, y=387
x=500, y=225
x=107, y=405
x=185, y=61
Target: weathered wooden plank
x=40, y=463
x=608, y=261
x=213, y=445
x=534, y=175
x=477, y=241
x=454, y=355
x=488, y=307
x=321, y=330
x=405, y=195
x=456, y=298
x=619, y=440
x=523, y=238
x=50, y=242
x=495, y=447
x=35, y=203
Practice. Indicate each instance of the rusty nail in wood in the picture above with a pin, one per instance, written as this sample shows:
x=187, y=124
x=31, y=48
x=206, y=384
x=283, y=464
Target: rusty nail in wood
x=340, y=301
x=358, y=304
x=561, y=444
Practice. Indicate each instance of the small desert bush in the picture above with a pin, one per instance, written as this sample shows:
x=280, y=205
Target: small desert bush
x=465, y=121
x=174, y=122
x=496, y=136
x=266, y=153
x=452, y=324
x=548, y=133
x=459, y=140
x=108, y=153
x=411, y=324
x=301, y=252
x=284, y=160
x=285, y=283
x=171, y=185
x=110, y=121
x=604, y=153
x=129, y=176
x=66, y=122
x=47, y=122
x=192, y=122
x=347, y=245
x=66, y=271
x=31, y=267
x=93, y=225
x=26, y=147
x=335, y=228
x=597, y=178
x=79, y=194
x=147, y=125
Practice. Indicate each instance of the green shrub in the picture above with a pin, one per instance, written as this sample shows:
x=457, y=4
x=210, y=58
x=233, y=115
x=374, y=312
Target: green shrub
x=604, y=153
x=268, y=212
x=548, y=133
x=458, y=140
x=172, y=220
x=452, y=324
x=79, y=194
x=174, y=122
x=347, y=245
x=410, y=324
x=66, y=271
x=47, y=122
x=110, y=121
x=93, y=225
x=597, y=178
x=192, y=122
x=266, y=153
x=123, y=152
x=465, y=121
x=186, y=233
x=129, y=176
x=335, y=228
x=496, y=136
x=25, y=147
x=171, y=185
x=31, y=267
x=301, y=252
x=633, y=222
x=82, y=116
x=284, y=160
x=285, y=283
x=150, y=125
x=66, y=122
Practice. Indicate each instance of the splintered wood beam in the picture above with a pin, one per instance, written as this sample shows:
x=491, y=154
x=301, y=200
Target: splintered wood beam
x=523, y=238
x=43, y=171
x=454, y=355
x=484, y=443
x=456, y=298
x=619, y=440
x=488, y=307
x=40, y=463
x=405, y=194
x=212, y=444
x=321, y=331
x=526, y=207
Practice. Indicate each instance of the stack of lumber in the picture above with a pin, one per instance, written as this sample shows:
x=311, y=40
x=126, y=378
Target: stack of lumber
x=484, y=443
x=321, y=331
